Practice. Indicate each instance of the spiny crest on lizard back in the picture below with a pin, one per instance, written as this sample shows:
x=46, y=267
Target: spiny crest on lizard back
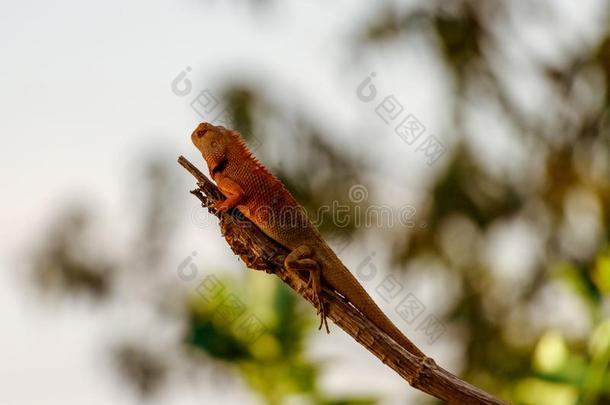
x=247, y=154
x=243, y=148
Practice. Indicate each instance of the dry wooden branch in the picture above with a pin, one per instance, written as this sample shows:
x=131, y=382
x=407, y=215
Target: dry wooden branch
x=259, y=252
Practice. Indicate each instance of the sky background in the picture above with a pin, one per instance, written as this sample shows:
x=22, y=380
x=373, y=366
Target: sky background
x=86, y=92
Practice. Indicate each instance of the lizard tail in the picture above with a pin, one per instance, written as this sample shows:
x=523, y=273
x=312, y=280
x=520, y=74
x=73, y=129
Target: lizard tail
x=342, y=280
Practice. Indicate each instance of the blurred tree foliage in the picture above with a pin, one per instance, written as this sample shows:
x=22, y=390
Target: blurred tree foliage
x=562, y=196
x=574, y=149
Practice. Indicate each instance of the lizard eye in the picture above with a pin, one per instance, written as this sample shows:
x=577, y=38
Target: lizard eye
x=200, y=134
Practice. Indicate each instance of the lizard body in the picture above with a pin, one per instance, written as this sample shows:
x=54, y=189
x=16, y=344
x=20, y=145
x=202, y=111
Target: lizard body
x=264, y=200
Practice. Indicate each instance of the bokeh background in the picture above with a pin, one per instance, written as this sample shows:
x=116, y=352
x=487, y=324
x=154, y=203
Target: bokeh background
x=506, y=166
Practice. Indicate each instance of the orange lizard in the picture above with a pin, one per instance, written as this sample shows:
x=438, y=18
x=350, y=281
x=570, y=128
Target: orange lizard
x=263, y=199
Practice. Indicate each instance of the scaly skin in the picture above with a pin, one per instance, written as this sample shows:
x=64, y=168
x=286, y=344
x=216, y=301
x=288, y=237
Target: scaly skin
x=263, y=199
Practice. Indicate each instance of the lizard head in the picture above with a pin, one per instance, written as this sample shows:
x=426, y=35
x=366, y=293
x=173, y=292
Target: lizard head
x=213, y=142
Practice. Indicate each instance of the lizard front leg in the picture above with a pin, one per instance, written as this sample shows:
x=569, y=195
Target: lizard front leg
x=300, y=259
x=233, y=193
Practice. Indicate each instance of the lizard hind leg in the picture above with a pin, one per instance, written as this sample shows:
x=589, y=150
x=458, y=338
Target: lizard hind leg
x=299, y=260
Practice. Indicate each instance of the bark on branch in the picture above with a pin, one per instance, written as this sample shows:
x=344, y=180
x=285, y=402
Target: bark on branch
x=259, y=252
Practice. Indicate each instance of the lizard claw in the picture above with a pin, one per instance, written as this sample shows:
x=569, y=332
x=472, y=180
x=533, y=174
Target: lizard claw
x=323, y=317
x=321, y=306
x=220, y=207
x=301, y=259
x=310, y=285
